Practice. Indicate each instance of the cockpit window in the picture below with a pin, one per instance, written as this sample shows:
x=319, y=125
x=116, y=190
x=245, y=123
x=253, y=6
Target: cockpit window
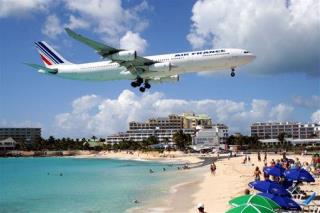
x=246, y=51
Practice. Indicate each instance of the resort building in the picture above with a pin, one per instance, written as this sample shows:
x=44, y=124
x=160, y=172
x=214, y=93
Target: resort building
x=138, y=135
x=162, y=128
x=171, y=122
x=291, y=129
x=191, y=121
x=8, y=144
x=26, y=135
x=295, y=142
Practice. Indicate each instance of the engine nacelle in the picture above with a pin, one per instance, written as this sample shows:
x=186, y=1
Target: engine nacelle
x=127, y=55
x=162, y=67
x=169, y=79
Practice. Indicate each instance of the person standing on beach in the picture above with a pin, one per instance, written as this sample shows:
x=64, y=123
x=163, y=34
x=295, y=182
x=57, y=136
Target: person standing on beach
x=265, y=175
x=265, y=157
x=213, y=168
x=259, y=157
x=257, y=174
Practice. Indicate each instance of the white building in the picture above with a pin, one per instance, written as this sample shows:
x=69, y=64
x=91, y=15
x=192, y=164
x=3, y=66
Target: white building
x=8, y=143
x=138, y=135
x=205, y=138
x=292, y=141
x=223, y=132
x=291, y=129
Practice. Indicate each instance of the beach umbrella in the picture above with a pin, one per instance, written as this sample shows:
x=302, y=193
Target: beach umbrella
x=276, y=171
x=299, y=175
x=269, y=187
x=285, y=202
x=250, y=208
x=254, y=199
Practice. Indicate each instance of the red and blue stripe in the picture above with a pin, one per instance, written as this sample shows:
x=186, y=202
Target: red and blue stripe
x=48, y=53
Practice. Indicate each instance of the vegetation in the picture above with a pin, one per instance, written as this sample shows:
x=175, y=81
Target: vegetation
x=181, y=140
x=57, y=144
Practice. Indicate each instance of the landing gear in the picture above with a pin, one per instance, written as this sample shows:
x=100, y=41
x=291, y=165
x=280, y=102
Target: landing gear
x=138, y=82
x=232, y=72
x=142, y=89
x=147, y=85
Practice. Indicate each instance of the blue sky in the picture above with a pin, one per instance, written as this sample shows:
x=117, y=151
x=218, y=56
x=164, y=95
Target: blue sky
x=282, y=84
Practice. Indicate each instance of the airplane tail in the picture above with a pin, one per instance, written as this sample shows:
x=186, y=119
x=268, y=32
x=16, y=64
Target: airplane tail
x=48, y=55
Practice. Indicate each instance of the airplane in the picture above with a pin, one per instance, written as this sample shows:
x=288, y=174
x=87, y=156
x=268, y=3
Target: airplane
x=141, y=71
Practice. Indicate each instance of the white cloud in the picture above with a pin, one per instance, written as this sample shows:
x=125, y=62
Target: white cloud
x=77, y=23
x=315, y=117
x=21, y=7
x=94, y=115
x=133, y=41
x=312, y=102
x=52, y=26
x=108, y=18
x=284, y=38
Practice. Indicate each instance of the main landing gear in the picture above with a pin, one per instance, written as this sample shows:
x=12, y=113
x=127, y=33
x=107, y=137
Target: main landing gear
x=232, y=72
x=138, y=82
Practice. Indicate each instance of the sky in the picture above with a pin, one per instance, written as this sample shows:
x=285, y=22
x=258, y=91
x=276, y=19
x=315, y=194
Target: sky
x=282, y=84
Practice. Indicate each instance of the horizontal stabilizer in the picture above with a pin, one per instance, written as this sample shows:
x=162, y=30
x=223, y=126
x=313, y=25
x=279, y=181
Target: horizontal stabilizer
x=42, y=68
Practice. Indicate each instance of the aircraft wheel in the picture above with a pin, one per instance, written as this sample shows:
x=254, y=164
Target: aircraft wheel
x=142, y=89
x=233, y=74
x=134, y=84
x=147, y=85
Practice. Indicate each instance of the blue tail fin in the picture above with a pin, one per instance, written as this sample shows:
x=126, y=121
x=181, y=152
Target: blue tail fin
x=48, y=55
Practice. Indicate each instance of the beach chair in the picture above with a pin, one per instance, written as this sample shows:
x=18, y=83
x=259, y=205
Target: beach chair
x=306, y=204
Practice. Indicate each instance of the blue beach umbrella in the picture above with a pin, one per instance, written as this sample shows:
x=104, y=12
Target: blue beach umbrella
x=269, y=187
x=298, y=175
x=276, y=171
x=285, y=202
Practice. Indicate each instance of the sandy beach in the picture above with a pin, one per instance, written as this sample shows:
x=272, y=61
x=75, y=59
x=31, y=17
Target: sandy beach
x=231, y=179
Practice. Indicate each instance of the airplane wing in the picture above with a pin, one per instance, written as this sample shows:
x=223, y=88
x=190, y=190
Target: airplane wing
x=107, y=51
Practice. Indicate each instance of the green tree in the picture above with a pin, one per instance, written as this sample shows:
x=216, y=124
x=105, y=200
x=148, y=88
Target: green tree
x=282, y=139
x=181, y=140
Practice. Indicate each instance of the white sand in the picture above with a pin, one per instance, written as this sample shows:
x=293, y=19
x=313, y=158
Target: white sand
x=231, y=180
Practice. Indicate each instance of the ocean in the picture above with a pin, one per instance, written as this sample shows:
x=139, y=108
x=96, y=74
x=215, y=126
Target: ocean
x=80, y=185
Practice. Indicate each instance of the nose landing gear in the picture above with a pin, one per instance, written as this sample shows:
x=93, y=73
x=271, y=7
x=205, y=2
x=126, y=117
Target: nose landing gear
x=232, y=72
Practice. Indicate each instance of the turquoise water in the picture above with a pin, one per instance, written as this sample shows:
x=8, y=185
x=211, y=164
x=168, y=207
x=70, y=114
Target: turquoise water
x=86, y=185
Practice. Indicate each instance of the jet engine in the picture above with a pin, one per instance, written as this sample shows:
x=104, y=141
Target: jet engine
x=169, y=79
x=162, y=67
x=128, y=55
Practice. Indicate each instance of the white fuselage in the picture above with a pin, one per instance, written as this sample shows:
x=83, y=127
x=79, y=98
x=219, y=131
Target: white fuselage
x=196, y=61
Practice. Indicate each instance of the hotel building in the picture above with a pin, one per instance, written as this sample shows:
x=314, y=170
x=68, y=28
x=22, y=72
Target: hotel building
x=27, y=135
x=162, y=128
x=292, y=130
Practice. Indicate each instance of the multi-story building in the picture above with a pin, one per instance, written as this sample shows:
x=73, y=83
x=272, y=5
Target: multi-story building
x=223, y=132
x=171, y=122
x=138, y=135
x=27, y=135
x=162, y=128
x=191, y=121
x=292, y=130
